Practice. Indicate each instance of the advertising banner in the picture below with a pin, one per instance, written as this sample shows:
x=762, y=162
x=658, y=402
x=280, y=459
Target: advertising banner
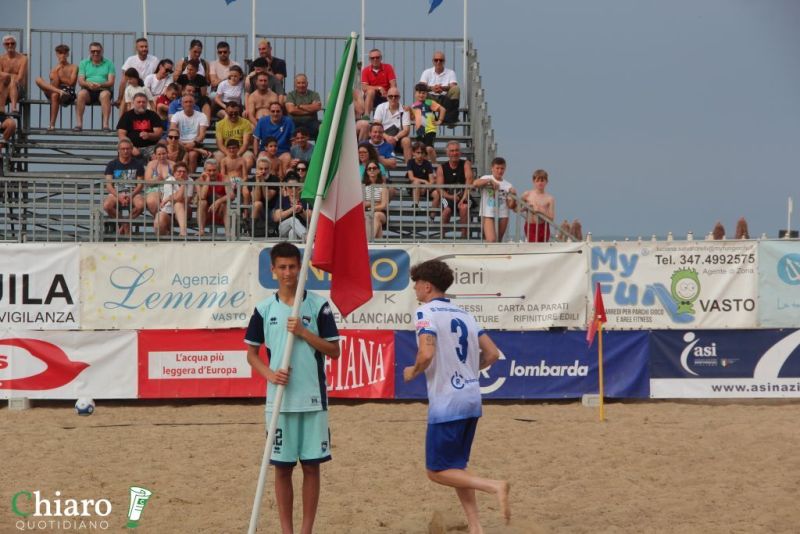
x=365, y=368
x=779, y=284
x=542, y=365
x=725, y=364
x=39, y=287
x=166, y=285
x=68, y=365
x=668, y=285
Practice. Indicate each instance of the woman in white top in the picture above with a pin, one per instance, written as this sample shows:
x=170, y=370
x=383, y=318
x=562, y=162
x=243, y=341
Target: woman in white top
x=231, y=89
x=175, y=196
x=376, y=198
x=156, y=172
x=157, y=82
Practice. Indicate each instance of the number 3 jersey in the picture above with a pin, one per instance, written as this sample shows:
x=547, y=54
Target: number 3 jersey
x=453, y=389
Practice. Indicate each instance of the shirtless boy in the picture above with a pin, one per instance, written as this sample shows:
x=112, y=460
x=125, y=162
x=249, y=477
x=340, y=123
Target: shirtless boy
x=61, y=89
x=233, y=167
x=538, y=201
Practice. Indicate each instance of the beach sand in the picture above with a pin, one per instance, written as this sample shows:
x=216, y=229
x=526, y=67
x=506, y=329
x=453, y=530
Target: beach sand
x=651, y=467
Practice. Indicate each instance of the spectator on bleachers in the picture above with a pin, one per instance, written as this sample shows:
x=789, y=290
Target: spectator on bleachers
x=420, y=171
x=302, y=105
x=367, y=152
x=442, y=87
x=718, y=233
x=229, y=90
x=157, y=170
x=302, y=149
x=177, y=104
x=258, y=102
x=281, y=128
x=144, y=63
x=13, y=75
x=8, y=125
x=234, y=126
x=123, y=194
x=396, y=122
x=195, y=53
x=376, y=199
x=274, y=65
x=428, y=115
x=61, y=89
x=213, y=199
x=291, y=213
x=142, y=126
x=270, y=153
x=362, y=120
x=200, y=83
x=234, y=168
x=175, y=195
x=376, y=80
x=275, y=85
x=158, y=81
x=742, y=232
x=168, y=97
x=264, y=196
x=175, y=150
x=385, y=150
x=218, y=70
x=300, y=169
x=134, y=86
x=96, y=76
x=497, y=200
x=455, y=171
x=539, y=201
x=192, y=127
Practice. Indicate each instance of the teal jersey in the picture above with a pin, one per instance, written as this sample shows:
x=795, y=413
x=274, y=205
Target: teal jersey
x=307, y=389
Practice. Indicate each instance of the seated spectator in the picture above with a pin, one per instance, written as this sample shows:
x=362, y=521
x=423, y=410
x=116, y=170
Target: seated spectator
x=442, y=87
x=13, y=75
x=264, y=196
x=396, y=123
x=163, y=102
x=258, y=101
x=158, y=82
x=303, y=105
x=195, y=53
x=385, y=150
x=302, y=149
x=213, y=198
x=742, y=232
x=300, y=169
x=142, y=126
x=420, y=172
x=292, y=215
x=279, y=127
x=218, y=70
x=200, y=83
x=144, y=64
x=455, y=171
x=177, y=104
x=270, y=154
x=234, y=126
x=362, y=119
x=275, y=85
x=123, y=192
x=376, y=199
x=157, y=171
x=497, y=200
x=175, y=195
x=275, y=66
x=61, y=89
x=8, y=125
x=134, y=86
x=718, y=233
x=192, y=127
x=428, y=115
x=175, y=150
x=367, y=152
x=229, y=90
x=96, y=76
x=538, y=201
x=376, y=80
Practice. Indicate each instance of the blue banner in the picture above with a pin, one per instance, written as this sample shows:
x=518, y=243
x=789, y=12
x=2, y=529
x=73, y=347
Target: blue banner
x=779, y=284
x=546, y=365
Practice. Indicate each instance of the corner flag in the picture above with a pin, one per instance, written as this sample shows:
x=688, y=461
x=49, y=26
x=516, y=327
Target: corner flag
x=434, y=4
x=598, y=315
x=340, y=247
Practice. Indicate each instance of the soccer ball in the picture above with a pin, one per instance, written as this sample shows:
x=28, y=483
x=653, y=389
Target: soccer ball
x=84, y=406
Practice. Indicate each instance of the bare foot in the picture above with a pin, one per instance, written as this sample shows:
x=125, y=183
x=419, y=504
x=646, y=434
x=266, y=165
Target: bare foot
x=502, y=499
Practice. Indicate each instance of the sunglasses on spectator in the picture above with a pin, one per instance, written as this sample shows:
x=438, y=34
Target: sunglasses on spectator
x=95, y=51
x=372, y=168
x=173, y=137
x=9, y=43
x=223, y=51
x=301, y=169
x=374, y=57
x=437, y=60
x=392, y=96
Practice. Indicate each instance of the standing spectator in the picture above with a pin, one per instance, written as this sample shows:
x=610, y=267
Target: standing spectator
x=219, y=69
x=158, y=82
x=229, y=90
x=13, y=74
x=258, y=101
x=61, y=89
x=234, y=126
x=96, y=76
x=122, y=192
x=279, y=127
x=134, y=86
x=376, y=80
x=144, y=63
x=376, y=199
x=195, y=53
x=538, y=202
x=442, y=87
x=455, y=171
x=396, y=122
x=274, y=65
x=142, y=126
x=496, y=201
x=8, y=125
x=194, y=78
x=303, y=104
x=385, y=150
x=420, y=172
x=302, y=149
x=428, y=115
x=192, y=127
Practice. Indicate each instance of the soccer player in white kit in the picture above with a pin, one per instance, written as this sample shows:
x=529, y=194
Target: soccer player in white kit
x=452, y=349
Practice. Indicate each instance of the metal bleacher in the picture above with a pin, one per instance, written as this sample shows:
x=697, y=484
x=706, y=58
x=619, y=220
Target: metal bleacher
x=51, y=182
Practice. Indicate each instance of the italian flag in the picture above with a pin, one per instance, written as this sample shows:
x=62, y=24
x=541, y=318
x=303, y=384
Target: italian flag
x=340, y=245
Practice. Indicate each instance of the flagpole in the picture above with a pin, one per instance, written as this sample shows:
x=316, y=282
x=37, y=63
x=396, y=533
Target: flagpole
x=28, y=30
x=464, y=55
x=301, y=280
x=600, y=367
x=144, y=19
x=363, y=32
x=253, y=31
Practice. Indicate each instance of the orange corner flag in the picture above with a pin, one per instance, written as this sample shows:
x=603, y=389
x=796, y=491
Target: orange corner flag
x=598, y=315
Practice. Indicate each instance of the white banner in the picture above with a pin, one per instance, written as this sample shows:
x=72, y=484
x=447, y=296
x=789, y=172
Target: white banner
x=690, y=284
x=198, y=285
x=68, y=365
x=39, y=287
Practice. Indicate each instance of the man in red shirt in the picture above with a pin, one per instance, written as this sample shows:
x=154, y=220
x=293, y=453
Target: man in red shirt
x=376, y=79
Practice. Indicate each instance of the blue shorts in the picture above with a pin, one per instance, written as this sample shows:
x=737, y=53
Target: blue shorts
x=447, y=445
x=303, y=436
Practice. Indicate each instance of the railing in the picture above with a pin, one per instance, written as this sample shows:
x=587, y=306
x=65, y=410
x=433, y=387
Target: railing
x=481, y=130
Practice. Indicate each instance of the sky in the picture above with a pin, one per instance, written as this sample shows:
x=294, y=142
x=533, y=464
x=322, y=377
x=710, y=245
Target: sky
x=650, y=116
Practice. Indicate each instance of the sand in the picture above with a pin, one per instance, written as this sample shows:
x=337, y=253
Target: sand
x=652, y=467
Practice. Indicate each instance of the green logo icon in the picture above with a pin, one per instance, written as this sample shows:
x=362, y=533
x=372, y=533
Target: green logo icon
x=685, y=289
x=139, y=498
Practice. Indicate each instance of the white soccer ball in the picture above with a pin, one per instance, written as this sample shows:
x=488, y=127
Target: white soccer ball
x=84, y=406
